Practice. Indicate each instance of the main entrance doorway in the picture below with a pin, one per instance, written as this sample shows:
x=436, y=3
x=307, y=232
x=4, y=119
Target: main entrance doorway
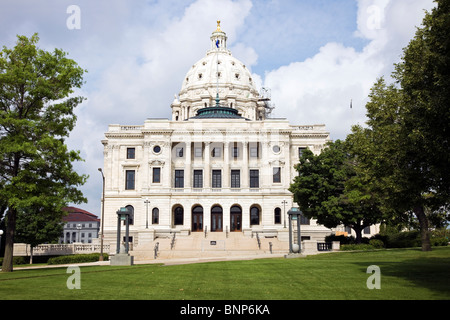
x=197, y=219
x=216, y=219
x=235, y=218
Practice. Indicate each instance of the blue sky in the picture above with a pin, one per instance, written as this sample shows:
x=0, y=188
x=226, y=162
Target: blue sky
x=314, y=56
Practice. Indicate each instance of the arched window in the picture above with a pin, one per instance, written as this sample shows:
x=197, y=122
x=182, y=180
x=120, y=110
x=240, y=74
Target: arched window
x=178, y=216
x=130, y=216
x=155, y=216
x=277, y=215
x=254, y=216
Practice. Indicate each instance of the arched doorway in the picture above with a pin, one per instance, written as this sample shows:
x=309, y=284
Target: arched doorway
x=197, y=219
x=216, y=219
x=235, y=219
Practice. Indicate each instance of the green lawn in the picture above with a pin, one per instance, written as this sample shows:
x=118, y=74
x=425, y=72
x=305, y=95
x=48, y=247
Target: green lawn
x=405, y=274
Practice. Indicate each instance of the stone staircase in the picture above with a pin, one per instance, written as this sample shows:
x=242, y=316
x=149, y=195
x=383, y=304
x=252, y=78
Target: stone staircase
x=214, y=245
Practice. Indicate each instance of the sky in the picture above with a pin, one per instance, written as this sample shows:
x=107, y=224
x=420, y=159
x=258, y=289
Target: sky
x=315, y=56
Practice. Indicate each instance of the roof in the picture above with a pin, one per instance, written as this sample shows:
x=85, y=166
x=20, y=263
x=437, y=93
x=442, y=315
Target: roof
x=77, y=214
x=217, y=112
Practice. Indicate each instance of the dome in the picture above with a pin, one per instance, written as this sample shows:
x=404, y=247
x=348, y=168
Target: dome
x=218, y=73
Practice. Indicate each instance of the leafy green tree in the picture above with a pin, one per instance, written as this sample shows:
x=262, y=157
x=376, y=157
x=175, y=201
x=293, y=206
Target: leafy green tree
x=38, y=225
x=36, y=116
x=406, y=145
x=329, y=189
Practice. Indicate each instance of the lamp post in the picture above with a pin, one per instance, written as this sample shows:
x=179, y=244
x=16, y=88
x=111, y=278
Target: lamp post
x=103, y=215
x=146, y=222
x=284, y=202
x=1, y=233
x=294, y=215
x=123, y=215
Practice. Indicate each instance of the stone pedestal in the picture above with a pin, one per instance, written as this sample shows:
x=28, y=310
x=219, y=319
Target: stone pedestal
x=121, y=259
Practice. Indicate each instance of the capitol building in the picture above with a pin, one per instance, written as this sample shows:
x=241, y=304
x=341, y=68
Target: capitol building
x=220, y=165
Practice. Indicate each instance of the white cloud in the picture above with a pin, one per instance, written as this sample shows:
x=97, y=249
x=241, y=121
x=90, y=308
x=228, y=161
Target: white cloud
x=319, y=89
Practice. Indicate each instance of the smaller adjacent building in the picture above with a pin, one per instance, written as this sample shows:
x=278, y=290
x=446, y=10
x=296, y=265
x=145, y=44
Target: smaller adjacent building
x=80, y=226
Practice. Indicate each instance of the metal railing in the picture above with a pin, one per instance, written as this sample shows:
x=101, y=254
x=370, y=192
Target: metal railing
x=156, y=249
x=172, y=243
x=324, y=246
x=258, y=240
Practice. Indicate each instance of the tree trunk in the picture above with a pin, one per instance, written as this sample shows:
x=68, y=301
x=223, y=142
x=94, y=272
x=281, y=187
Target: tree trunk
x=358, y=230
x=424, y=232
x=9, y=240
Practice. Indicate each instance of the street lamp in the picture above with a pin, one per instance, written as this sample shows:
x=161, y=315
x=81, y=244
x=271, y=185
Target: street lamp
x=294, y=215
x=146, y=222
x=103, y=215
x=1, y=233
x=284, y=202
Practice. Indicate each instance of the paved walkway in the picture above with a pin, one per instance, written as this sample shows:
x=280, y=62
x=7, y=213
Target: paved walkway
x=167, y=262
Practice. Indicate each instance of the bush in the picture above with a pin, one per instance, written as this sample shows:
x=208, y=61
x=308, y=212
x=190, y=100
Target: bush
x=362, y=246
x=77, y=258
x=376, y=243
x=442, y=241
x=405, y=239
x=17, y=260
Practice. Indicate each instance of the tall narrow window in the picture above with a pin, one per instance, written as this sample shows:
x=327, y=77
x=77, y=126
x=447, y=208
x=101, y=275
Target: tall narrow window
x=254, y=216
x=216, y=179
x=277, y=215
x=254, y=152
x=235, y=152
x=131, y=153
x=179, y=178
x=155, y=216
x=276, y=175
x=254, y=178
x=235, y=178
x=130, y=179
x=178, y=216
x=156, y=175
x=198, y=178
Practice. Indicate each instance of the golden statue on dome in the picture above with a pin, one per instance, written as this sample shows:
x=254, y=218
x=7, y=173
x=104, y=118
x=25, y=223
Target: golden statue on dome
x=218, y=26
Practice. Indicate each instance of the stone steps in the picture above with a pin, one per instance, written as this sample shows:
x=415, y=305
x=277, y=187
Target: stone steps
x=214, y=245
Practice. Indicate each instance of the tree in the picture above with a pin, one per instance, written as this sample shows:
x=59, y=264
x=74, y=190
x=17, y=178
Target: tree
x=36, y=116
x=39, y=225
x=406, y=145
x=329, y=189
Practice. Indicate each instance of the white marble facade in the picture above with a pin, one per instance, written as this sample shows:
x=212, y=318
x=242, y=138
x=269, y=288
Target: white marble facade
x=221, y=163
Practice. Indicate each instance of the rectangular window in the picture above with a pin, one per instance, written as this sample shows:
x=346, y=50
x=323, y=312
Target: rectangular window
x=235, y=152
x=216, y=152
x=179, y=178
x=198, y=152
x=300, y=151
x=131, y=153
x=179, y=152
x=304, y=220
x=156, y=175
x=130, y=176
x=254, y=152
x=254, y=178
x=198, y=178
x=276, y=175
x=235, y=178
x=216, y=179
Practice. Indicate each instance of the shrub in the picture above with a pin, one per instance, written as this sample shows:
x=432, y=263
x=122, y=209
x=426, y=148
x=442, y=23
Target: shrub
x=376, y=243
x=342, y=239
x=362, y=246
x=77, y=258
x=405, y=239
x=442, y=241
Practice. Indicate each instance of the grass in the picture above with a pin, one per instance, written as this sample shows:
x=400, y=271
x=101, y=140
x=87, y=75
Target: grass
x=406, y=274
